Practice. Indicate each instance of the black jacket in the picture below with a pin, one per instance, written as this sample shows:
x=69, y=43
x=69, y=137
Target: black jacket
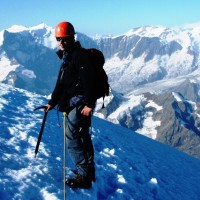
x=76, y=77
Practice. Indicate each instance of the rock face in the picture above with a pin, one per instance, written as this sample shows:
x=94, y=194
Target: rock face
x=169, y=117
x=136, y=46
x=180, y=123
x=153, y=73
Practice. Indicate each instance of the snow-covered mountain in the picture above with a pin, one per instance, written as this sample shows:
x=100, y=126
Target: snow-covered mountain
x=142, y=55
x=25, y=58
x=128, y=165
x=148, y=68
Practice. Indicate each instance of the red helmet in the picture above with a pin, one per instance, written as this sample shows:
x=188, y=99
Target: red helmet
x=64, y=29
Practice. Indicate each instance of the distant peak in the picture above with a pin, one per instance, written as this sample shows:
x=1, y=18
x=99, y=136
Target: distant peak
x=149, y=31
x=16, y=28
x=39, y=26
x=20, y=28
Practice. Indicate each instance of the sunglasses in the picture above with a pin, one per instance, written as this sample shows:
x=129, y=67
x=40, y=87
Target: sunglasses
x=63, y=39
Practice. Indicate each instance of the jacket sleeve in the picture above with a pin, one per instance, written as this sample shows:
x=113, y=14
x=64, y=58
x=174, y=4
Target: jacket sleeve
x=87, y=77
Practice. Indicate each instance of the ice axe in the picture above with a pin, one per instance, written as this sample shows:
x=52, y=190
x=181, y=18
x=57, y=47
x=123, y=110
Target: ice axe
x=41, y=129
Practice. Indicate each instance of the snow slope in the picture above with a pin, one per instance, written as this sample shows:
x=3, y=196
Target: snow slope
x=128, y=165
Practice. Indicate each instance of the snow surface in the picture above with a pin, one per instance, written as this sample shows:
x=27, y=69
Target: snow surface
x=128, y=165
x=1, y=37
x=6, y=67
x=149, y=125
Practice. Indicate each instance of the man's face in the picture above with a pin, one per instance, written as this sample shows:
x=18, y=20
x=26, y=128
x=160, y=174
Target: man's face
x=65, y=43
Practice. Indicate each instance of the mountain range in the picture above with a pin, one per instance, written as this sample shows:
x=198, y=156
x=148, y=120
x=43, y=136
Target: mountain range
x=153, y=73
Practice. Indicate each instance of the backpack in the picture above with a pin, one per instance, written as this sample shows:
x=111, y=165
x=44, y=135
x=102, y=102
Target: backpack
x=98, y=60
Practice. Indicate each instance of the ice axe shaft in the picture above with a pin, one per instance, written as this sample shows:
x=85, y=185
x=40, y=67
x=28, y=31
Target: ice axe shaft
x=41, y=129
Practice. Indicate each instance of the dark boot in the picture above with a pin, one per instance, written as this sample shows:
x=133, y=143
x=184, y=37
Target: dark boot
x=91, y=173
x=79, y=182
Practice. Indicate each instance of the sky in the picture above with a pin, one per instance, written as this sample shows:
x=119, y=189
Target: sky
x=128, y=165
x=103, y=17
